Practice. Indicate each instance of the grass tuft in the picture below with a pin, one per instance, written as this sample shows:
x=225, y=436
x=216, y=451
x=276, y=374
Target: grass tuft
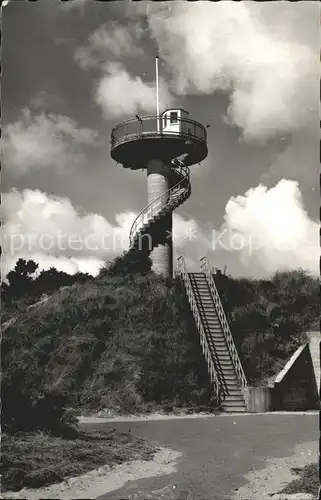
x=34, y=460
x=307, y=482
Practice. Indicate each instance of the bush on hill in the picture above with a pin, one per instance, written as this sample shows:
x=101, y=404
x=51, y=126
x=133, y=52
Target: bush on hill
x=120, y=342
x=268, y=318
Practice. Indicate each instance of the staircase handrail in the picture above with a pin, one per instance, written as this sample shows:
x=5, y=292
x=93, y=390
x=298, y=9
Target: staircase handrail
x=183, y=274
x=225, y=326
x=181, y=170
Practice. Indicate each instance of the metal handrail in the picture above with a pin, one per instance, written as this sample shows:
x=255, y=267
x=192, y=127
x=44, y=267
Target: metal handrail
x=144, y=126
x=225, y=327
x=148, y=212
x=184, y=276
x=215, y=356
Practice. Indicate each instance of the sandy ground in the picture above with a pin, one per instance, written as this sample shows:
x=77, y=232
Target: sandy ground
x=265, y=483
x=100, y=419
x=102, y=480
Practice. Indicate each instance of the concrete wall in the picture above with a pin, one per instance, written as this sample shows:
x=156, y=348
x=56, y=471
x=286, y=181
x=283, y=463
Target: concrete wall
x=314, y=345
x=296, y=389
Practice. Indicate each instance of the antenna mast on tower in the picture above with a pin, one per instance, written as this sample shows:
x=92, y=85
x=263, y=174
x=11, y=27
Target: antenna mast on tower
x=157, y=94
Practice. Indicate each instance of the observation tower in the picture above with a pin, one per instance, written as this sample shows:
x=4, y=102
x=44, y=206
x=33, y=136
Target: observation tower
x=165, y=145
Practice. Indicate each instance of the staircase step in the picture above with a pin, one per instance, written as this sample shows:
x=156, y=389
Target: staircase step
x=234, y=388
x=219, y=348
x=235, y=397
x=234, y=409
x=228, y=370
x=215, y=328
x=230, y=379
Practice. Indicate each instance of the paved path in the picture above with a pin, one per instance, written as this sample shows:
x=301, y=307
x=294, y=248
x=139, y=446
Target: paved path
x=217, y=452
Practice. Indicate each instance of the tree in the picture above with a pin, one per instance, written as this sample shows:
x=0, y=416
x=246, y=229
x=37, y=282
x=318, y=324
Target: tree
x=20, y=280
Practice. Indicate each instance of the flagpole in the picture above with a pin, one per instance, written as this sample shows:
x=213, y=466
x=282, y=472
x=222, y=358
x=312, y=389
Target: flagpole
x=157, y=94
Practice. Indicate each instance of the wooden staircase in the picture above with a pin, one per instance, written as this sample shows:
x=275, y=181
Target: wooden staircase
x=218, y=344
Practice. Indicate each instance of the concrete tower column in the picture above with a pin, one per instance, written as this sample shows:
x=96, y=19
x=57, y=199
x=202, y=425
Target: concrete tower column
x=158, y=181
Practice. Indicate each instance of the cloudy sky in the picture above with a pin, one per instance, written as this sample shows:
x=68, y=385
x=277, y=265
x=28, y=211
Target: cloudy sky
x=72, y=71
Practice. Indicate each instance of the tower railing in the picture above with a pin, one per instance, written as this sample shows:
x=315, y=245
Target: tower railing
x=158, y=204
x=225, y=327
x=153, y=125
x=182, y=273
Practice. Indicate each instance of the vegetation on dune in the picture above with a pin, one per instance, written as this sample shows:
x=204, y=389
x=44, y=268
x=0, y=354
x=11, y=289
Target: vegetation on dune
x=127, y=340
x=308, y=481
x=117, y=342
x=269, y=318
x=34, y=460
x=24, y=286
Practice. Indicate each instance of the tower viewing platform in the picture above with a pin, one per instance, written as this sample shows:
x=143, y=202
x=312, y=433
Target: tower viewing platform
x=135, y=141
x=166, y=145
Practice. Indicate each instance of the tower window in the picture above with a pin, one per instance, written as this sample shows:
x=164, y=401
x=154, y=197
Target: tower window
x=174, y=117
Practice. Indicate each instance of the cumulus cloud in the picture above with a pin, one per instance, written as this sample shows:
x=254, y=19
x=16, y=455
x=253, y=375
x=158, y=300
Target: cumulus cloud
x=269, y=226
x=49, y=230
x=117, y=91
x=272, y=79
x=272, y=226
x=43, y=100
x=111, y=43
x=43, y=141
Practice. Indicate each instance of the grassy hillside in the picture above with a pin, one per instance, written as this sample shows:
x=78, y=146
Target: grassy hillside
x=118, y=342
x=128, y=342
x=268, y=318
